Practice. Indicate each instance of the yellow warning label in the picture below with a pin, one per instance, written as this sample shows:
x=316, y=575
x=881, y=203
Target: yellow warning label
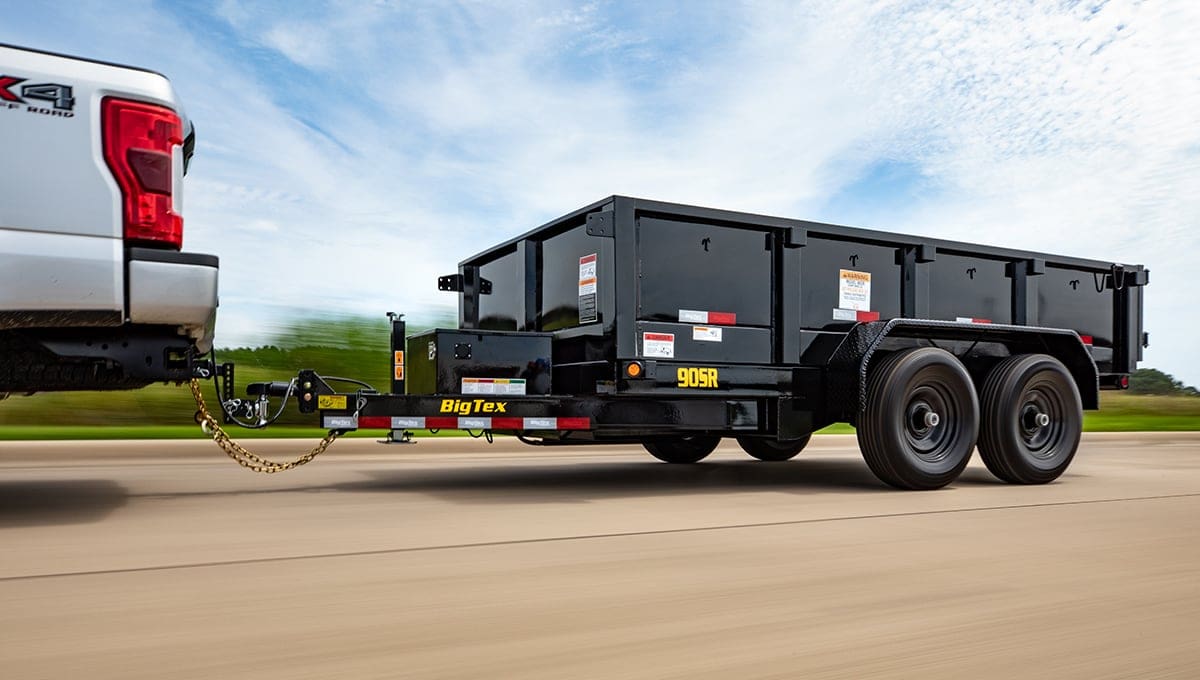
x=399, y=371
x=331, y=401
x=399, y=359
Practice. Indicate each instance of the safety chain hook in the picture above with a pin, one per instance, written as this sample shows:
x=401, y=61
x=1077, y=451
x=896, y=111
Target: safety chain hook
x=239, y=453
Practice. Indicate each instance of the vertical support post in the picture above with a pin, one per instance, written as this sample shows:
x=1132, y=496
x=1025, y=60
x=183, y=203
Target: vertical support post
x=627, y=276
x=914, y=280
x=907, y=259
x=788, y=262
x=1020, y=294
x=397, y=343
x=1122, y=342
x=469, y=302
x=1024, y=290
x=529, y=252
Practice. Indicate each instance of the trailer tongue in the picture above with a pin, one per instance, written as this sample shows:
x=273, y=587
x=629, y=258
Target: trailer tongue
x=674, y=326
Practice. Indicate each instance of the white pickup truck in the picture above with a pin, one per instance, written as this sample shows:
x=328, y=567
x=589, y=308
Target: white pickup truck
x=95, y=290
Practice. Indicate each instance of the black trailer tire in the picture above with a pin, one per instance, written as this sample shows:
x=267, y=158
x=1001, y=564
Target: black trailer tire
x=921, y=419
x=773, y=450
x=682, y=449
x=1032, y=419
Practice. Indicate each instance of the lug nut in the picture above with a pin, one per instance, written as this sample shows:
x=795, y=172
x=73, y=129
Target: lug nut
x=932, y=419
x=1041, y=419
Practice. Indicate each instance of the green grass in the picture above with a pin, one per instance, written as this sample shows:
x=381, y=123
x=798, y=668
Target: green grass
x=1124, y=412
x=837, y=428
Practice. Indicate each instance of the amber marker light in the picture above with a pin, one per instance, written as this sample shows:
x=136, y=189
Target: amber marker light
x=633, y=369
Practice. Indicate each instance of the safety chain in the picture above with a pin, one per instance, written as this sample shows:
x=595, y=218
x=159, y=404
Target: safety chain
x=236, y=451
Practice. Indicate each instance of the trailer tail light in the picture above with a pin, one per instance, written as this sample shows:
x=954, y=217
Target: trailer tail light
x=142, y=147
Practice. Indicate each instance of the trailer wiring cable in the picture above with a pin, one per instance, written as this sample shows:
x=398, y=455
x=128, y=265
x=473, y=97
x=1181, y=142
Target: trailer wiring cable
x=242, y=455
x=230, y=411
x=334, y=378
x=486, y=434
x=263, y=422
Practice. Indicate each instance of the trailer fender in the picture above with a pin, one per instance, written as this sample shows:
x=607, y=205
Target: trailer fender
x=849, y=364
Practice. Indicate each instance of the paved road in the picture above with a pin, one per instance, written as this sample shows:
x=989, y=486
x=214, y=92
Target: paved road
x=452, y=559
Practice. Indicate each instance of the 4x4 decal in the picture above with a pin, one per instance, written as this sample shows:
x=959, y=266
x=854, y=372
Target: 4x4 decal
x=60, y=97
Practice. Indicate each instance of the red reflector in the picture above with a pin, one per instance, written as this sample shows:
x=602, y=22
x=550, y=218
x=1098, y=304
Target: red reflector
x=441, y=423
x=508, y=423
x=722, y=318
x=375, y=422
x=1124, y=382
x=139, y=140
x=863, y=316
x=981, y=320
x=574, y=423
x=1087, y=339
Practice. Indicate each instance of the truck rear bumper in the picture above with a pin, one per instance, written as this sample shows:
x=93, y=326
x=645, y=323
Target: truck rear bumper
x=174, y=289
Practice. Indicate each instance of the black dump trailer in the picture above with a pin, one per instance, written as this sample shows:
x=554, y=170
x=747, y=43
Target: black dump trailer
x=673, y=326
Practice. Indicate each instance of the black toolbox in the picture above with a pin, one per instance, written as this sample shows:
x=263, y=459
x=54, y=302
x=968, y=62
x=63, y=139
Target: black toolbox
x=449, y=361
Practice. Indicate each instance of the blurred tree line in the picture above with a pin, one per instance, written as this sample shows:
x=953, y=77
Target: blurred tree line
x=1154, y=381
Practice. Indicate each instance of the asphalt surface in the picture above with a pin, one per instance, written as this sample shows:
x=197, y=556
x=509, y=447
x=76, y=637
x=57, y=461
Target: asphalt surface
x=455, y=559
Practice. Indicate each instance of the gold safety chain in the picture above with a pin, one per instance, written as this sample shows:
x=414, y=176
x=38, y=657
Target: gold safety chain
x=239, y=453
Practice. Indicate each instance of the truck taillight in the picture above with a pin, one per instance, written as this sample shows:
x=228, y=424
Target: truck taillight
x=140, y=141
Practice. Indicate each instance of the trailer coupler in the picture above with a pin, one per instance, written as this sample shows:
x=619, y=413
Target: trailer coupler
x=248, y=413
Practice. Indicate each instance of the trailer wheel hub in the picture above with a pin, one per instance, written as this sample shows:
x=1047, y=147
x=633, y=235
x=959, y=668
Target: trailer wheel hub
x=922, y=418
x=928, y=431
x=1033, y=418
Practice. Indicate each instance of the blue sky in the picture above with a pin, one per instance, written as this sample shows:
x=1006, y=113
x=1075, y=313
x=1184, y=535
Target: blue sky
x=379, y=143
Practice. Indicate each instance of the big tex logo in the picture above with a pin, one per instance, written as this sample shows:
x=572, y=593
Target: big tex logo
x=465, y=407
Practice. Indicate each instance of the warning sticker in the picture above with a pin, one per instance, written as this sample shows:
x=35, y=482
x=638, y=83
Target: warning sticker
x=658, y=345
x=587, y=288
x=331, y=401
x=493, y=386
x=854, y=290
x=706, y=333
